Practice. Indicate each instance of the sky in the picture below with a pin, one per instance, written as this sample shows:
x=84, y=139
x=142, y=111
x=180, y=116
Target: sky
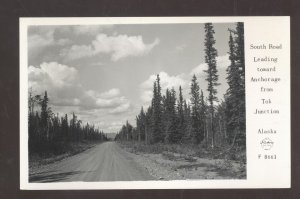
x=105, y=73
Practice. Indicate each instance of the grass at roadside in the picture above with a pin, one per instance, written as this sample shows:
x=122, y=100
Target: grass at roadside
x=182, y=161
x=200, y=151
x=70, y=149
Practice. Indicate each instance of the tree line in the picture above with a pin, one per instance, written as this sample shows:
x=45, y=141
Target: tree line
x=172, y=119
x=50, y=133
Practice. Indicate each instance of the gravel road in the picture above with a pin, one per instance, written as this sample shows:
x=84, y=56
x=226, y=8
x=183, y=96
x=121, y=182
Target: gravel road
x=104, y=162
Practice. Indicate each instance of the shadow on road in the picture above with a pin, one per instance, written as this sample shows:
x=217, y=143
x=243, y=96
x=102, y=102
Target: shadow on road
x=52, y=176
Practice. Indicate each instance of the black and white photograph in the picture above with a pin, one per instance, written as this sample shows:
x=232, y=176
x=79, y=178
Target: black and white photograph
x=136, y=102
x=149, y=99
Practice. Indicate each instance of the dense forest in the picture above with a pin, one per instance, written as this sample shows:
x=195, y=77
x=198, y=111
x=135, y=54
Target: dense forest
x=52, y=134
x=200, y=120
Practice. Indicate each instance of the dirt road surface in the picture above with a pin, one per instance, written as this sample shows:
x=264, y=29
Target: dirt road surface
x=104, y=162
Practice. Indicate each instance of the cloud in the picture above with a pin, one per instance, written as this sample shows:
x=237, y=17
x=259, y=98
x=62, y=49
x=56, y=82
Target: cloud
x=90, y=29
x=111, y=126
x=40, y=40
x=63, y=41
x=61, y=83
x=222, y=62
x=199, y=69
x=42, y=37
x=121, y=109
x=109, y=122
x=181, y=47
x=77, y=52
x=166, y=81
x=146, y=95
x=111, y=93
x=85, y=30
x=53, y=74
x=111, y=103
x=183, y=80
x=122, y=46
x=118, y=47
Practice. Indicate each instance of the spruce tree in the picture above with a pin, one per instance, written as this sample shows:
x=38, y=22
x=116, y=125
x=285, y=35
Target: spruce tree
x=203, y=115
x=129, y=129
x=241, y=63
x=73, y=122
x=140, y=125
x=188, y=130
x=45, y=116
x=166, y=115
x=148, y=125
x=44, y=110
x=181, y=123
x=232, y=99
x=175, y=135
x=48, y=133
x=157, y=126
x=195, y=111
x=212, y=72
x=240, y=51
x=235, y=95
x=170, y=119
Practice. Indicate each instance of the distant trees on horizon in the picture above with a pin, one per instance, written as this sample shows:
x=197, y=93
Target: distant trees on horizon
x=171, y=119
x=50, y=133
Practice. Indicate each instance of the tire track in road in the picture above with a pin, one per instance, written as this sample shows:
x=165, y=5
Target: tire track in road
x=104, y=162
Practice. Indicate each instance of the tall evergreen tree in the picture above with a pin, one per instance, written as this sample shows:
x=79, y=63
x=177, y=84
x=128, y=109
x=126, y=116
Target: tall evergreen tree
x=212, y=72
x=235, y=95
x=49, y=134
x=181, y=123
x=65, y=127
x=129, y=129
x=148, y=125
x=166, y=100
x=45, y=116
x=240, y=50
x=44, y=110
x=232, y=100
x=203, y=116
x=141, y=125
x=188, y=130
x=173, y=132
x=157, y=126
x=222, y=121
x=241, y=63
x=195, y=110
x=73, y=126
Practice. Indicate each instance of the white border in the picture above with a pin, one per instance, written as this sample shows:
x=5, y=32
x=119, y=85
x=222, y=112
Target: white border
x=264, y=24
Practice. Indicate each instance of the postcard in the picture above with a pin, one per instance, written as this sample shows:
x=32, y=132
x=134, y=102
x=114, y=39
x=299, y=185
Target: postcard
x=155, y=103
